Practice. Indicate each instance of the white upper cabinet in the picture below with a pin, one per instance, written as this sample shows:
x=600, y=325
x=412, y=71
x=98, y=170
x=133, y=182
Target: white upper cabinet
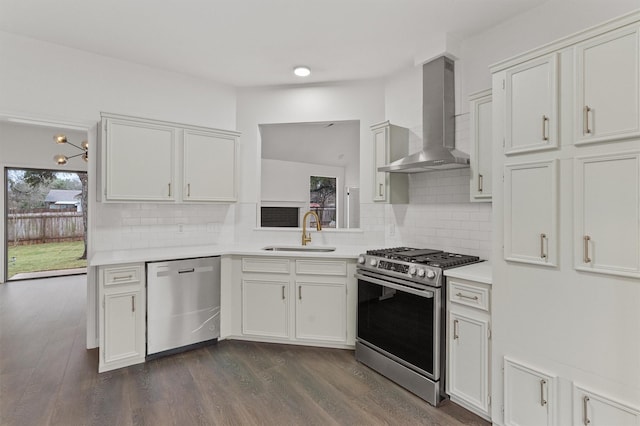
x=530, y=212
x=531, y=106
x=391, y=143
x=481, y=114
x=608, y=87
x=209, y=166
x=139, y=160
x=607, y=214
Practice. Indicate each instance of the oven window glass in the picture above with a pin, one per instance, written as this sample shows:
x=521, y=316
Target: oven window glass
x=398, y=323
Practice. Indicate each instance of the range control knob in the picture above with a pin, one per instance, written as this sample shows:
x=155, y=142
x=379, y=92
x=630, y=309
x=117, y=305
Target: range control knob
x=373, y=262
x=431, y=275
x=421, y=273
x=412, y=270
x=361, y=260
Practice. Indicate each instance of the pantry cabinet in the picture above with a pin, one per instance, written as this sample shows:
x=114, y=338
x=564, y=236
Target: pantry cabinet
x=151, y=160
x=530, y=212
x=481, y=121
x=593, y=409
x=121, y=316
x=608, y=87
x=468, y=345
x=530, y=395
x=604, y=186
x=531, y=106
x=391, y=143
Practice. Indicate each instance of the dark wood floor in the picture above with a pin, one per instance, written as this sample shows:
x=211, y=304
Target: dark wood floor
x=47, y=377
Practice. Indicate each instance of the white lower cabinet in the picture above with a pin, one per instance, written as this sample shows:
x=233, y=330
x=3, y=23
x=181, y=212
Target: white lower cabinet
x=592, y=409
x=121, y=316
x=468, y=345
x=529, y=395
x=265, y=308
x=317, y=289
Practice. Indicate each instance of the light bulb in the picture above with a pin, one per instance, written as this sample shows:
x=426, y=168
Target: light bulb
x=60, y=138
x=85, y=145
x=61, y=160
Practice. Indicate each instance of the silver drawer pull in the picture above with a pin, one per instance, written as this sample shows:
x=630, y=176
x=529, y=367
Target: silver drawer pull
x=123, y=278
x=586, y=257
x=585, y=410
x=543, y=401
x=464, y=296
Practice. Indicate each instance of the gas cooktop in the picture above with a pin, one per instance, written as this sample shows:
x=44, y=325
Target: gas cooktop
x=428, y=257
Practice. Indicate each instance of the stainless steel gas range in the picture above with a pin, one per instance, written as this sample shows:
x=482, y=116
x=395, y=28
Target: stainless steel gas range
x=401, y=304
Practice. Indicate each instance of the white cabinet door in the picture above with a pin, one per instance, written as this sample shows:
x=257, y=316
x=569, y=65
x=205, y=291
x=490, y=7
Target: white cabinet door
x=607, y=214
x=529, y=396
x=123, y=328
x=481, y=146
x=592, y=409
x=209, y=166
x=265, y=308
x=380, y=151
x=469, y=359
x=608, y=87
x=321, y=311
x=139, y=161
x=530, y=212
x=532, y=106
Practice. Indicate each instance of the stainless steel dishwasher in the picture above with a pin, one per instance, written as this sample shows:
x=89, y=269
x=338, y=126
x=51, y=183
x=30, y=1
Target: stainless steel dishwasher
x=183, y=304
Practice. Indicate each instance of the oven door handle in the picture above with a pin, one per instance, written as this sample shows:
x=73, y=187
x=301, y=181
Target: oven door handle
x=422, y=293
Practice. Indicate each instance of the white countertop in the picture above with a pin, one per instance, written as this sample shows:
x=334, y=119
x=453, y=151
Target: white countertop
x=112, y=257
x=479, y=272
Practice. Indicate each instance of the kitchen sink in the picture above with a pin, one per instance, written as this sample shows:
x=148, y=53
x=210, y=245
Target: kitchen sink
x=308, y=249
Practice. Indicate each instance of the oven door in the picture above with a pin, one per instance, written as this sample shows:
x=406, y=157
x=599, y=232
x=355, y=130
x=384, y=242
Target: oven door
x=400, y=321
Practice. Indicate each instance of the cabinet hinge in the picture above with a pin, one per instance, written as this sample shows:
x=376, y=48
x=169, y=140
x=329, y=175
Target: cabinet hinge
x=489, y=400
x=488, y=333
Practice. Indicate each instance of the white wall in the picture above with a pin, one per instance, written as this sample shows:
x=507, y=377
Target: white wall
x=28, y=146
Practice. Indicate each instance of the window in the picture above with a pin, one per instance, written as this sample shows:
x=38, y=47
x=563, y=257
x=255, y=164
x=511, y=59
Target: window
x=322, y=199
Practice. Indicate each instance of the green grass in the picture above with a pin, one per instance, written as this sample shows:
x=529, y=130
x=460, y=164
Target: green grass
x=45, y=257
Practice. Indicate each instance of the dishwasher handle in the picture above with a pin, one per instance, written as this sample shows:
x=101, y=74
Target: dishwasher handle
x=186, y=271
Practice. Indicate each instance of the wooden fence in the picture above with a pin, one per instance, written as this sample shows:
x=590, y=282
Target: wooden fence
x=44, y=227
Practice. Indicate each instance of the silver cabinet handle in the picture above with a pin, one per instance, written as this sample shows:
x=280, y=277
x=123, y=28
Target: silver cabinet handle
x=585, y=254
x=480, y=182
x=585, y=410
x=543, y=237
x=543, y=401
x=133, y=303
x=380, y=186
x=283, y=297
x=464, y=296
x=123, y=277
x=188, y=190
x=455, y=330
x=169, y=189
x=587, y=111
x=299, y=292
x=545, y=127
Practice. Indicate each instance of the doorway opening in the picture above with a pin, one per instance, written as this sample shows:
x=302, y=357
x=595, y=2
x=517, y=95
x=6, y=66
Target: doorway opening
x=45, y=223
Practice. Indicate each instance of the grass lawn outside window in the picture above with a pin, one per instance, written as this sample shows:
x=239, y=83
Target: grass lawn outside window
x=45, y=257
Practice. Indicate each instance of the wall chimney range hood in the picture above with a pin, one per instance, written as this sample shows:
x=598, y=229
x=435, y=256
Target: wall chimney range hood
x=438, y=124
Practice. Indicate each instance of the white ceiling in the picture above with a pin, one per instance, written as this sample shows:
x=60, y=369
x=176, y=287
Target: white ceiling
x=257, y=42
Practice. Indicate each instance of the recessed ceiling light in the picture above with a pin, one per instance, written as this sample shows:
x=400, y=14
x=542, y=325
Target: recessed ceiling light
x=302, y=71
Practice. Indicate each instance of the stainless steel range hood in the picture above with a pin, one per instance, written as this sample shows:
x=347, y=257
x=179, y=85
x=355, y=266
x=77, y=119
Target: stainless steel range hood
x=438, y=124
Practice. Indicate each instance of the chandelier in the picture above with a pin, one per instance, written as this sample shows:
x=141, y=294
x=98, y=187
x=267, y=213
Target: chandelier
x=61, y=160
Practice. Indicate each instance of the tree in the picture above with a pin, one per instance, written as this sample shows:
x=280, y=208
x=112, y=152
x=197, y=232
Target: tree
x=36, y=179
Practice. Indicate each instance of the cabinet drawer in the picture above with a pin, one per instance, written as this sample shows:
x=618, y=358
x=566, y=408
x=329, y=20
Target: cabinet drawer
x=321, y=267
x=122, y=275
x=469, y=295
x=257, y=264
